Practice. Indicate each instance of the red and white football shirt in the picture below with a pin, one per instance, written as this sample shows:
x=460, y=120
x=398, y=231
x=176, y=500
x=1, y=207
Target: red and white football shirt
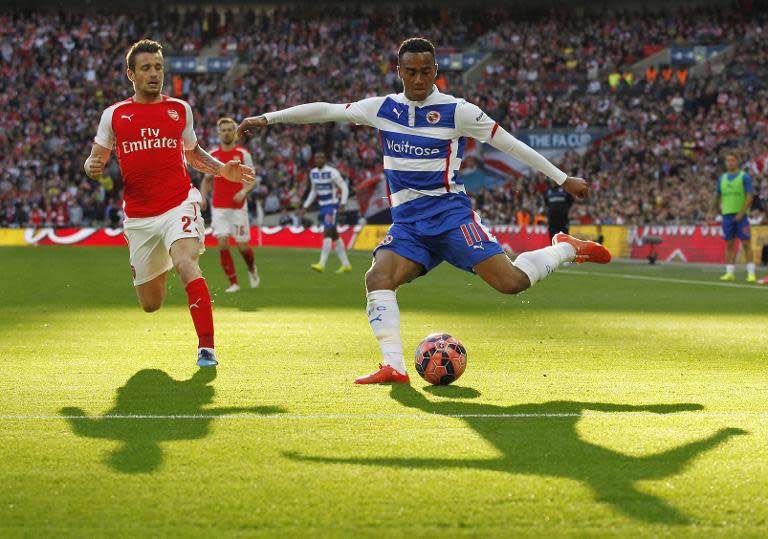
x=224, y=191
x=149, y=141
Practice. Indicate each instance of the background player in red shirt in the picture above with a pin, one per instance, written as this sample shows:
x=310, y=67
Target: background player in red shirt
x=153, y=138
x=229, y=215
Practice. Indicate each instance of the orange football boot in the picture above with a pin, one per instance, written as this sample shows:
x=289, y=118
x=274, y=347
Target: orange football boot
x=384, y=375
x=586, y=251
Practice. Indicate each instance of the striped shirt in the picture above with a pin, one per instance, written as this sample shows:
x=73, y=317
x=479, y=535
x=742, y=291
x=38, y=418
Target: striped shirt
x=327, y=186
x=423, y=144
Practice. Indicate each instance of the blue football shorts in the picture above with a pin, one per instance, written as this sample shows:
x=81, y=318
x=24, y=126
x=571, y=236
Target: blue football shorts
x=733, y=229
x=328, y=215
x=464, y=246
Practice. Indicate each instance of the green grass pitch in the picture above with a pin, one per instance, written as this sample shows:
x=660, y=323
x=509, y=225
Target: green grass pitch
x=595, y=404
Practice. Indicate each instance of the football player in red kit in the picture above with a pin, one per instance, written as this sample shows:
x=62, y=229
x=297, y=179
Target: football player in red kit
x=229, y=215
x=153, y=138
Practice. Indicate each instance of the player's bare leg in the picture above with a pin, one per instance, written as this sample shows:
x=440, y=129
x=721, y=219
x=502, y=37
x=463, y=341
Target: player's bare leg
x=253, y=273
x=227, y=264
x=749, y=260
x=388, y=272
x=730, y=261
x=341, y=253
x=513, y=277
x=499, y=272
x=325, y=251
x=152, y=293
x=185, y=254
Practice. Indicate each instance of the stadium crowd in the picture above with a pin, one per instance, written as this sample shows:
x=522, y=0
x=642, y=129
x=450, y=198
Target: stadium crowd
x=61, y=69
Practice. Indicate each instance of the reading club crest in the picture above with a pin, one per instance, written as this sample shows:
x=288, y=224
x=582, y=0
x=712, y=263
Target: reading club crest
x=173, y=114
x=433, y=117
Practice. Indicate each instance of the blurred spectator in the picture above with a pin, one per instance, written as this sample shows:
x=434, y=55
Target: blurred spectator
x=567, y=69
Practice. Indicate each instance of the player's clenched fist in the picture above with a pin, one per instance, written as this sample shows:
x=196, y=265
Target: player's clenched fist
x=235, y=171
x=251, y=124
x=576, y=187
x=94, y=166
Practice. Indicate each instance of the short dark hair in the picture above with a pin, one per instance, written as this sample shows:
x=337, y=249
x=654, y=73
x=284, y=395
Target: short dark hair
x=415, y=44
x=225, y=120
x=145, y=45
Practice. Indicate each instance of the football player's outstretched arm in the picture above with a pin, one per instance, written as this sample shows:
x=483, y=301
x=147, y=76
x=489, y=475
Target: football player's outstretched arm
x=234, y=171
x=96, y=161
x=358, y=112
x=474, y=123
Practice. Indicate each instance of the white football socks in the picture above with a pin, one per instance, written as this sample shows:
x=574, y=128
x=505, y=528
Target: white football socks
x=730, y=268
x=327, y=242
x=341, y=252
x=750, y=268
x=384, y=317
x=540, y=263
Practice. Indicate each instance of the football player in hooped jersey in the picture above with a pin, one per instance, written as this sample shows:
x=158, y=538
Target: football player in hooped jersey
x=229, y=215
x=153, y=138
x=423, y=138
x=325, y=182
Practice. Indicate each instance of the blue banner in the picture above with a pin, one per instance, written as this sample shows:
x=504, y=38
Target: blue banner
x=552, y=144
x=458, y=61
x=693, y=55
x=195, y=64
x=559, y=139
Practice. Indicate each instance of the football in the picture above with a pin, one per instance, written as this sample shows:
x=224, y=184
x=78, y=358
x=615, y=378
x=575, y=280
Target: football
x=440, y=359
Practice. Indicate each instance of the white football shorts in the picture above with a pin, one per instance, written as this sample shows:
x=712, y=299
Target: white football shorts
x=150, y=238
x=231, y=222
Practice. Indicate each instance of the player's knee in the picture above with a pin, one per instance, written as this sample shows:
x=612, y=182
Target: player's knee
x=187, y=269
x=513, y=284
x=151, y=305
x=509, y=288
x=375, y=280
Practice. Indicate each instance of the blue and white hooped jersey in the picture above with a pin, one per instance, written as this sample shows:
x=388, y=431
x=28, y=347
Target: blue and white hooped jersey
x=423, y=145
x=325, y=184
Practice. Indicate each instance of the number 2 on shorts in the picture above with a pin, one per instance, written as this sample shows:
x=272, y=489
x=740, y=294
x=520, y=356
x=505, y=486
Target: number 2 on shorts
x=186, y=221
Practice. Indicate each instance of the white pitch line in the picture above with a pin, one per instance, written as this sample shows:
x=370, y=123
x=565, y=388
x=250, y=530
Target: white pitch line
x=663, y=279
x=320, y=417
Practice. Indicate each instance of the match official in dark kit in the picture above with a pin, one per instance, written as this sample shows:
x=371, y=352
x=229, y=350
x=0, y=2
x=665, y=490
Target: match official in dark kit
x=558, y=203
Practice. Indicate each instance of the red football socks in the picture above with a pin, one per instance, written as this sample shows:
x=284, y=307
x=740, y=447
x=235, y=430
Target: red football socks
x=248, y=257
x=200, y=308
x=229, y=265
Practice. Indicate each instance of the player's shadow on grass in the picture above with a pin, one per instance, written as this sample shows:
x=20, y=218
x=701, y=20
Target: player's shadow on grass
x=152, y=408
x=541, y=439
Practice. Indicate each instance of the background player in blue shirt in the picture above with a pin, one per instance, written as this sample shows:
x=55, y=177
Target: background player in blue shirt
x=331, y=192
x=423, y=134
x=734, y=192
